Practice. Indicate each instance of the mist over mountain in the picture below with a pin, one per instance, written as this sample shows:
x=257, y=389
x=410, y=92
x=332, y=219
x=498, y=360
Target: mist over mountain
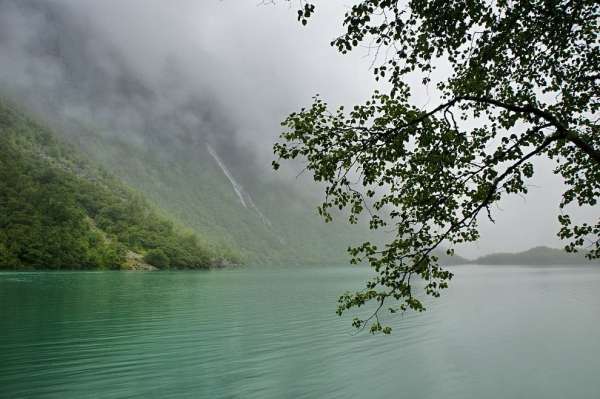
x=166, y=78
x=61, y=67
x=168, y=135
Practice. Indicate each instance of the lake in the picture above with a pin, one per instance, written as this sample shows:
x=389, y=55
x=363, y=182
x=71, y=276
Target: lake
x=272, y=332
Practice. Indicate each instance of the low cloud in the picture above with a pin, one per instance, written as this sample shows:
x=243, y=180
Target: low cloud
x=224, y=72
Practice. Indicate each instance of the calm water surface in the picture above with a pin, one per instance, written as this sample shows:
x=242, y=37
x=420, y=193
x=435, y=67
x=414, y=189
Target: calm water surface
x=498, y=332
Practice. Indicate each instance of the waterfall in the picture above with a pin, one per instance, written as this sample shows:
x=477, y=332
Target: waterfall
x=244, y=197
x=239, y=190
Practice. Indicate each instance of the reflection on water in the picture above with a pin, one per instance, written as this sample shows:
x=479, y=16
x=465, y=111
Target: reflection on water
x=498, y=332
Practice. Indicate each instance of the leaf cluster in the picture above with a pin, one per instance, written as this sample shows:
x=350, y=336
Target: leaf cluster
x=520, y=83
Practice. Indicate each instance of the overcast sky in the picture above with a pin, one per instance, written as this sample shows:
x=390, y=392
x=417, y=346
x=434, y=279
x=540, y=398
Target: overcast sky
x=259, y=64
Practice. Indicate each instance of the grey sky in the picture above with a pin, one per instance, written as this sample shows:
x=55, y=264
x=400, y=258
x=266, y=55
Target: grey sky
x=255, y=64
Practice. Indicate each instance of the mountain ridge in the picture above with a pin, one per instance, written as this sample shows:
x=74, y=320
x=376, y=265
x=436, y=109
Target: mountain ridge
x=539, y=255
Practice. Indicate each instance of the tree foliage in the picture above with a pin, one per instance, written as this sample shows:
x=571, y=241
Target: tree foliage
x=518, y=82
x=156, y=257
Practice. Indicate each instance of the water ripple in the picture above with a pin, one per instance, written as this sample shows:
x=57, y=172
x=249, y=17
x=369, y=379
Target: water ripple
x=272, y=333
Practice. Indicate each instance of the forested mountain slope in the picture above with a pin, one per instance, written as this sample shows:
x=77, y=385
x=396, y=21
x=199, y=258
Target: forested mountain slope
x=263, y=220
x=57, y=210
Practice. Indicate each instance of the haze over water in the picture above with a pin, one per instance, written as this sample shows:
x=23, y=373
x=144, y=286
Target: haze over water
x=498, y=332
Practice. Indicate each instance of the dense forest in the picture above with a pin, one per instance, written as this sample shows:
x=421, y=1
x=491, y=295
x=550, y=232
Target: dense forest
x=59, y=211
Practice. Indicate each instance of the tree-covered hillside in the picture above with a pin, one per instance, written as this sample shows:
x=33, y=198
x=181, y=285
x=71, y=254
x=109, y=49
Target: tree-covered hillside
x=272, y=222
x=57, y=210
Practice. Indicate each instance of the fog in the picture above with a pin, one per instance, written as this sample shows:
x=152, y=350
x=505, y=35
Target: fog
x=227, y=72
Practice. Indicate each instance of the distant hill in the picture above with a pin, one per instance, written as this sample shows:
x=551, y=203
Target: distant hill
x=535, y=256
x=446, y=260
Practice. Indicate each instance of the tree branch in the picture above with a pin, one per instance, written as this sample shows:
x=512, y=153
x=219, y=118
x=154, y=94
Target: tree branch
x=562, y=129
x=564, y=132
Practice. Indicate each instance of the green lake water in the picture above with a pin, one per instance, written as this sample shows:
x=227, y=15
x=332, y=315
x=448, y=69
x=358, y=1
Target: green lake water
x=498, y=332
